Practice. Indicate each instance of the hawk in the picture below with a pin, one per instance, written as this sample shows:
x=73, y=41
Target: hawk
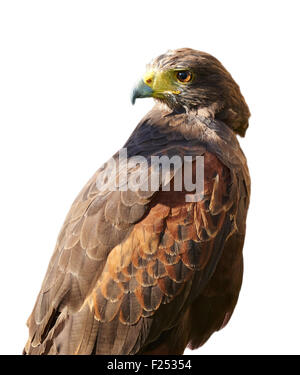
x=148, y=271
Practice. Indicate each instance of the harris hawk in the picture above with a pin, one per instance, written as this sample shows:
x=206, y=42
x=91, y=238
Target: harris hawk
x=146, y=271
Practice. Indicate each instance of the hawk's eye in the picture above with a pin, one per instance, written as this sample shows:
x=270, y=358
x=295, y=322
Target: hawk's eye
x=184, y=76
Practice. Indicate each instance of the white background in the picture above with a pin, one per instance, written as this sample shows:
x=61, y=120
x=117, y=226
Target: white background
x=66, y=72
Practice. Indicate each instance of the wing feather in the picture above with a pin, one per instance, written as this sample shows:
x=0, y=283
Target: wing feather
x=128, y=264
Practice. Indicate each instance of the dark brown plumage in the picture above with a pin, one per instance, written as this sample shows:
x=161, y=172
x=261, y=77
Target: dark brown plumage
x=137, y=272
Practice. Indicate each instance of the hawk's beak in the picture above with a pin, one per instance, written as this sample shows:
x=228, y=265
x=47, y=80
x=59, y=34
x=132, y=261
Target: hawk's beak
x=141, y=90
x=154, y=84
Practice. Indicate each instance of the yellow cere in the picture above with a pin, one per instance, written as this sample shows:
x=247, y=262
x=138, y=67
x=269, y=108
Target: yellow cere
x=161, y=82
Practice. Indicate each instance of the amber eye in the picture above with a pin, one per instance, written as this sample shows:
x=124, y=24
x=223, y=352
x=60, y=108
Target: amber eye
x=184, y=76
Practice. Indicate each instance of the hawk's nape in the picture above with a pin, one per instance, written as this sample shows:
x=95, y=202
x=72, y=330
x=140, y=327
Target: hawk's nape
x=145, y=271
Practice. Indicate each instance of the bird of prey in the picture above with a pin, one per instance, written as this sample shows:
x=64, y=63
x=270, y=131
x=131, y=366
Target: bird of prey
x=148, y=271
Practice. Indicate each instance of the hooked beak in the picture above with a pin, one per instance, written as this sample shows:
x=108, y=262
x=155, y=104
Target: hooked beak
x=156, y=84
x=141, y=90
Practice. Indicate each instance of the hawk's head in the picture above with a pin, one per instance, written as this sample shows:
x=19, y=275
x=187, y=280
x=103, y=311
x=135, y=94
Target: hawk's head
x=186, y=79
